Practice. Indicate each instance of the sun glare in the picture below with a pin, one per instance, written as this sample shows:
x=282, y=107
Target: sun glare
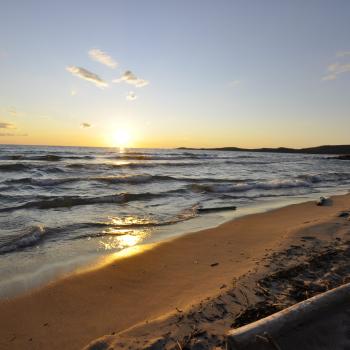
x=122, y=138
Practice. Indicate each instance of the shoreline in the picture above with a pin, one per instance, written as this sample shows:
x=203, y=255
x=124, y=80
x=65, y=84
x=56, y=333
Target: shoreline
x=175, y=274
x=29, y=282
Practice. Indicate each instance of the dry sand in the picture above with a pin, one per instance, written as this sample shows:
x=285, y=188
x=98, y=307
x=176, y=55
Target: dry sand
x=170, y=281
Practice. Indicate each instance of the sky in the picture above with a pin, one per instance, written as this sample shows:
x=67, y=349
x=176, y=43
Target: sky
x=193, y=73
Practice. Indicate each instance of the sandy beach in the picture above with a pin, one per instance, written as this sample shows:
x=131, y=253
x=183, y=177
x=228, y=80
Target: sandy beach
x=150, y=295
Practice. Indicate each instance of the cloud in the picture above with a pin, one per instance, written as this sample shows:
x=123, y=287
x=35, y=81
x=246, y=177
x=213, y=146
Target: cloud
x=10, y=134
x=14, y=112
x=85, y=125
x=130, y=78
x=234, y=83
x=73, y=92
x=131, y=96
x=87, y=75
x=336, y=69
x=102, y=57
x=343, y=53
x=4, y=125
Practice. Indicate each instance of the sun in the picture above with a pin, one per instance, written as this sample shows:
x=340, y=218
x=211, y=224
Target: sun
x=122, y=138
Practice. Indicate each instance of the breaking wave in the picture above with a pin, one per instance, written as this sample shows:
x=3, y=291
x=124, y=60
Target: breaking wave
x=46, y=157
x=32, y=237
x=50, y=202
x=242, y=187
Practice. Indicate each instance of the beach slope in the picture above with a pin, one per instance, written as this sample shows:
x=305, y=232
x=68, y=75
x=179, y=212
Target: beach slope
x=135, y=293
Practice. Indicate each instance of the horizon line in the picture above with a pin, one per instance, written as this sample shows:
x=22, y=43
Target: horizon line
x=180, y=147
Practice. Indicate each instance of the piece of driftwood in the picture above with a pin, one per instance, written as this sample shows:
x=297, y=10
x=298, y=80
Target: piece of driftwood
x=319, y=323
x=209, y=210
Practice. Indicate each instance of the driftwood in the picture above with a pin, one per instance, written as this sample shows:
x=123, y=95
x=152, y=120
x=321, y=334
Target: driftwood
x=319, y=323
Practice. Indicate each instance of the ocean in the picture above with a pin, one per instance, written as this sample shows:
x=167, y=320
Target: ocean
x=61, y=208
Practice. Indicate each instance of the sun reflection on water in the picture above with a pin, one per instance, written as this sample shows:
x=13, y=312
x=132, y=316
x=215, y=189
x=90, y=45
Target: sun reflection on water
x=121, y=238
x=130, y=220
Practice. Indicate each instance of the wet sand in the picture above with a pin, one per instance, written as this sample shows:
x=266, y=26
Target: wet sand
x=166, y=282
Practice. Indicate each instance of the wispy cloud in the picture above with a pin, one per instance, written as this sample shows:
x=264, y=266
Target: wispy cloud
x=4, y=125
x=130, y=78
x=85, y=125
x=234, y=83
x=102, y=57
x=87, y=75
x=336, y=69
x=10, y=134
x=131, y=96
x=14, y=112
x=343, y=53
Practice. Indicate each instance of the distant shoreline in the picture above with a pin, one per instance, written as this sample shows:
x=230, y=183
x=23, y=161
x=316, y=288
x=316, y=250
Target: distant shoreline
x=327, y=149
x=324, y=149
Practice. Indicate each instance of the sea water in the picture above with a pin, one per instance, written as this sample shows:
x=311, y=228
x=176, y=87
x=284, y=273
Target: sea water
x=63, y=207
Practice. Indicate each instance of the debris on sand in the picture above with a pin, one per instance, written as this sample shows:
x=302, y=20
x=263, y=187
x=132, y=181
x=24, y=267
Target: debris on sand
x=304, y=269
x=322, y=201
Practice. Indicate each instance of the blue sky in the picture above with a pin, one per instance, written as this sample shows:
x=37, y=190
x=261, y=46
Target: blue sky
x=219, y=73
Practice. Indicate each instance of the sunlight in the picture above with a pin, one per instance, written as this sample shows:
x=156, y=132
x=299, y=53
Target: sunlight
x=122, y=238
x=122, y=138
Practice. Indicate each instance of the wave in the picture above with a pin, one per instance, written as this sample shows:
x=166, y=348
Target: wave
x=32, y=237
x=43, y=182
x=37, y=234
x=147, y=178
x=128, y=179
x=243, y=187
x=120, y=179
x=50, y=202
x=46, y=157
x=132, y=179
x=132, y=157
x=240, y=162
x=14, y=167
x=176, y=156
x=97, y=166
x=183, y=215
x=301, y=181
x=169, y=157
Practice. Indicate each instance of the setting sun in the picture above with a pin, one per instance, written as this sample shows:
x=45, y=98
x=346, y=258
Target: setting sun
x=122, y=138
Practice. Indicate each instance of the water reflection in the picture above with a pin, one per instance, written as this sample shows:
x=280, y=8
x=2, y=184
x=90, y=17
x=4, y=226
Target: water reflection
x=130, y=220
x=119, y=238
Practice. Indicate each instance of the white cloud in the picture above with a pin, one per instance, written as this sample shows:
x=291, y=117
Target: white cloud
x=336, y=69
x=130, y=78
x=102, y=57
x=73, y=92
x=85, y=125
x=4, y=125
x=10, y=134
x=87, y=75
x=343, y=53
x=14, y=112
x=131, y=96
